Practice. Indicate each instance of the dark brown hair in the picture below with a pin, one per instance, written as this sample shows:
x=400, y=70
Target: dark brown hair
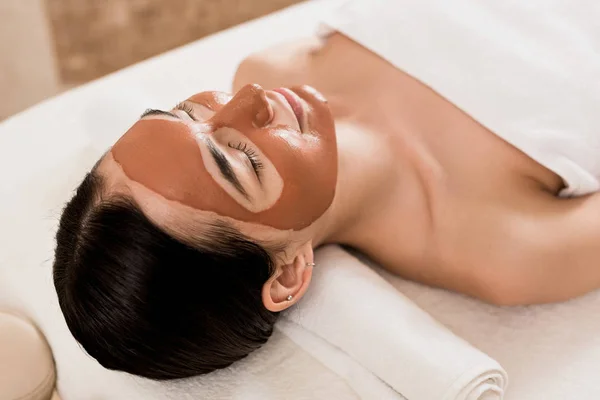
x=140, y=301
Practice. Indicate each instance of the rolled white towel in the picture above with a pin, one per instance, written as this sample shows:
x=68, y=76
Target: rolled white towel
x=357, y=311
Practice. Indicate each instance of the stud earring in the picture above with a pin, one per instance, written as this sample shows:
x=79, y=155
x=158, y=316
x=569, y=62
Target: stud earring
x=310, y=264
x=290, y=297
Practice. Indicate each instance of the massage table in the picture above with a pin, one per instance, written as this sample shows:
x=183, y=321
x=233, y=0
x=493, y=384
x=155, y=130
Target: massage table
x=549, y=352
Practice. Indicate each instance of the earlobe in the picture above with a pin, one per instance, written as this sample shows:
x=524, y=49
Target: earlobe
x=288, y=284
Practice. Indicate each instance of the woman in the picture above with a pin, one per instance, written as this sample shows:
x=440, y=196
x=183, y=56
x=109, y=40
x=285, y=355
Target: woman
x=198, y=226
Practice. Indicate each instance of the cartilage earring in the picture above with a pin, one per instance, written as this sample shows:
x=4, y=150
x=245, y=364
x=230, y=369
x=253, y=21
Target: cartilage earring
x=310, y=264
x=290, y=297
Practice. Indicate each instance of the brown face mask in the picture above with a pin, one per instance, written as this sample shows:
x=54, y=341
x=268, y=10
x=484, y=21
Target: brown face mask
x=280, y=147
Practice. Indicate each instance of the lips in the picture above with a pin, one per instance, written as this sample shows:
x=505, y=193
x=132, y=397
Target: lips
x=294, y=102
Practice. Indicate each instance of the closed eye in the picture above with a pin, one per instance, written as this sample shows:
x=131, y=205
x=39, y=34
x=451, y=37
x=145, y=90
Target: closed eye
x=257, y=165
x=188, y=109
x=225, y=167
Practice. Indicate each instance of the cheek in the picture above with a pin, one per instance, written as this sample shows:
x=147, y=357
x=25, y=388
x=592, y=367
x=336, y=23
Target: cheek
x=312, y=165
x=309, y=172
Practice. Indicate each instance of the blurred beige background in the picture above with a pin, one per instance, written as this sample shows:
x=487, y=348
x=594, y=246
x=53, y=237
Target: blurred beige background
x=48, y=46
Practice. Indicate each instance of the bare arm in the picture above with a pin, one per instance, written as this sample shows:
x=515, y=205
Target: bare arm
x=562, y=256
x=281, y=65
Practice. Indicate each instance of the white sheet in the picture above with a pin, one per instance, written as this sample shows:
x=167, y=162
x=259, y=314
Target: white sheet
x=550, y=352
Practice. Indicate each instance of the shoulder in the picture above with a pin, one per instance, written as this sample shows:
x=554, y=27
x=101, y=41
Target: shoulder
x=279, y=65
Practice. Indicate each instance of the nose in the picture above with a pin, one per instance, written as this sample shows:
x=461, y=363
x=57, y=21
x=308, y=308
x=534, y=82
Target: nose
x=249, y=105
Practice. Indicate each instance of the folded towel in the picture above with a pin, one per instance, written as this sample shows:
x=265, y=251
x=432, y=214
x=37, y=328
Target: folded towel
x=357, y=311
x=362, y=382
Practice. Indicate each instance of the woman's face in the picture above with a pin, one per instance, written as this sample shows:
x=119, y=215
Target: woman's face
x=265, y=157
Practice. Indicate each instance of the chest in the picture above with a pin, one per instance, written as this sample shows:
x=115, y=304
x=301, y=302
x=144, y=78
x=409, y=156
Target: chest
x=470, y=189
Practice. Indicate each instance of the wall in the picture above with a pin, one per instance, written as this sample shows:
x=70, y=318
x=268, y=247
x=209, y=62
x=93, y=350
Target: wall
x=47, y=46
x=28, y=70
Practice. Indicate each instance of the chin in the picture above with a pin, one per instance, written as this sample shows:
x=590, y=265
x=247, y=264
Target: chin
x=319, y=118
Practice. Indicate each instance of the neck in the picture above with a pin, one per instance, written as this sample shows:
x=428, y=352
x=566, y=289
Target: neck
x=388, y=175
x=341, y=218
x=375, y=180
x=385, y=166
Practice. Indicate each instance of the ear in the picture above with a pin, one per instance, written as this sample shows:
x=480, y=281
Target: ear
x=291, y=279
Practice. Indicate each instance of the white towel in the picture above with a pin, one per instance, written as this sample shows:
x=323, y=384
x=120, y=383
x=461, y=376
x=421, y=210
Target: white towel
x=354, y=309
x=529, y=71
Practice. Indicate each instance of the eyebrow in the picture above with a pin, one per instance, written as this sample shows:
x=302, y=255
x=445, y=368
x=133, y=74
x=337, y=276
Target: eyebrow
x=225, y=168
x=149, y=112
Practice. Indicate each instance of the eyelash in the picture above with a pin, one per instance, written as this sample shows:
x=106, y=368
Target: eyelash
x=189, y=110
x=251, y=154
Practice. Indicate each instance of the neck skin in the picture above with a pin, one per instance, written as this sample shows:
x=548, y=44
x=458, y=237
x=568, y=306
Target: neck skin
x=353, y=198
x=384, y=167
x=373, y=179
